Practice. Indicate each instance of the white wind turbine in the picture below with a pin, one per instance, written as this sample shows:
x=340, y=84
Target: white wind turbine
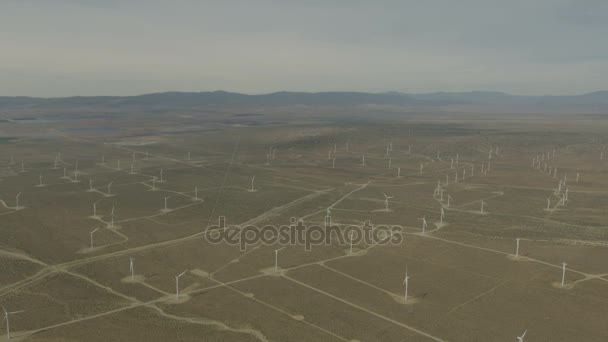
x=109, y=189
x=166, y=198
x=112, y=218
x=56, y=162
x=386, y=198
x=17, y=207
x=517, y=248
x=93, y=232
x=482, y=206
x=442, y=216
x=564, y=273
x=95, y=209
x=327, y=217
x=423, y=224
x=6, y=318
x=521, y=338
x=276, y=259
x=252, y=189
x=177, y=283
x=406, y=281
x=132, y=267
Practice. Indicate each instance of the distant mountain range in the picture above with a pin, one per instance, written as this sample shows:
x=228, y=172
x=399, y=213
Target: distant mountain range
x=596, y=102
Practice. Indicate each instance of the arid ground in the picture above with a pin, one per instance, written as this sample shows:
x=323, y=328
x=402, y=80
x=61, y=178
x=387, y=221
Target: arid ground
x=91, y=204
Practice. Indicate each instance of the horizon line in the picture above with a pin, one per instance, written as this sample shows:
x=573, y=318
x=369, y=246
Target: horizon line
x=308, y=92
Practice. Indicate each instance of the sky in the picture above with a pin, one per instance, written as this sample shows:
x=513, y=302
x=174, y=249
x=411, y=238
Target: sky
x=110, y=47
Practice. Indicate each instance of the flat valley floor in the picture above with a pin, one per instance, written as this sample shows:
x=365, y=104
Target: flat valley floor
x=84, y=198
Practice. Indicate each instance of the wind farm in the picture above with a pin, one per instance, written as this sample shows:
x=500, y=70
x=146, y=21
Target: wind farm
x=493, y=246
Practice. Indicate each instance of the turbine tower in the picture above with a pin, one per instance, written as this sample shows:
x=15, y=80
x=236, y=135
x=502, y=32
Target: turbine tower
x=177, y=283
x=6, y=318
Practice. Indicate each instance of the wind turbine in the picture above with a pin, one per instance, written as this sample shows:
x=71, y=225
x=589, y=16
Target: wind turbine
x=517, y=248
x=93, y=232
x=363, y=159
x=351, y=241
x=327, y=217
x=40, y=183
x=161, y=180
x=421, y=167
x=196, y=193
x=482, y=205
x=521, y=338
x=112, y=218
x=406, y=283
x=276, y=259
x=442, y=216
x=90, y=185
x=399, y=172
x=177, y=283
x=166, y=198
x=564, y=273
x=449, y=198
x=386, y=198
x=132, y=267
x=109, y=189
x=252, y=184
x=17, y=201
x=333, y=162
x=423, y=224
x=95, y=209
x=6, y=318
x=578, y=176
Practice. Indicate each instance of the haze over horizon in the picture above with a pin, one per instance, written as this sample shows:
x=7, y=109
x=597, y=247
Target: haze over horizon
x=68, y=47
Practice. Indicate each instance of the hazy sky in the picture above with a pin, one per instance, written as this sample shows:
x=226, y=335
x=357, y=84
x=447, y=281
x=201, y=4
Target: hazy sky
x=108, y=47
